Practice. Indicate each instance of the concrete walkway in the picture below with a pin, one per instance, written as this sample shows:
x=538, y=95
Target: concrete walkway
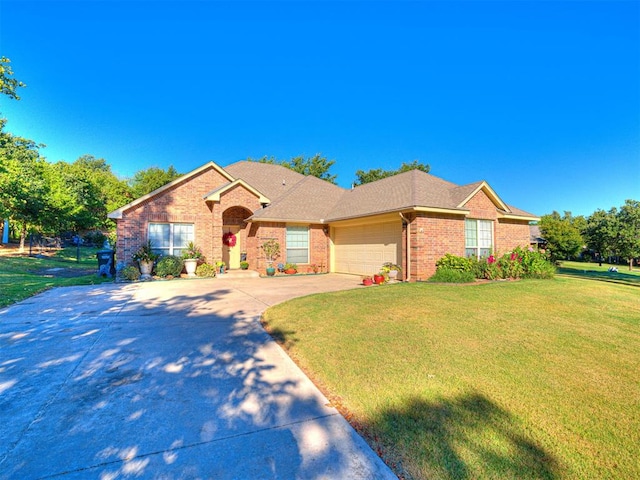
x=167, y=380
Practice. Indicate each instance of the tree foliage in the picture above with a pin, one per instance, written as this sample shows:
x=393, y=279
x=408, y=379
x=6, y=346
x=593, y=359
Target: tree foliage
x=8, y=85
x=376, y=174
x=562, y=234
x=147, y=180
x=316, y=166
x=627, y=240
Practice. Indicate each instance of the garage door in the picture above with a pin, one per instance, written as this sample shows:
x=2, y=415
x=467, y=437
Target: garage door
x=363, y=249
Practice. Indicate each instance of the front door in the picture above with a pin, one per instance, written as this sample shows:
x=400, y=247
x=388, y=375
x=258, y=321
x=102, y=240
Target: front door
x=231, y=255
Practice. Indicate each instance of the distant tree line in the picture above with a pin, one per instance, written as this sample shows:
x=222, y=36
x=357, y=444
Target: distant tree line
x=603, y=235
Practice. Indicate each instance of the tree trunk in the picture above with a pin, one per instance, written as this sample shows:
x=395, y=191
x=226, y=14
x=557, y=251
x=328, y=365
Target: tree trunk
x=23, y=236
x=630, y=264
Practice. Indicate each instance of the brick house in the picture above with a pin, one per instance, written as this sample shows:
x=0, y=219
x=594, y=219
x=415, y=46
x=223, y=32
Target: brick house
x=411, y=219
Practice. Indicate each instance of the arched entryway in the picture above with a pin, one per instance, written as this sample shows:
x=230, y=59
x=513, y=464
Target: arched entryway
x=233, y=222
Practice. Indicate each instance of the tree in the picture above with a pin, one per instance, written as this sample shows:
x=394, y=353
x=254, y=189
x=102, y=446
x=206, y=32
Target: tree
x=8, y=84
x=24, y=191
x=628, y=236
x=316, y=166
x=562, y=236
x=150, y=179
x=600, y=232
x=374, y=175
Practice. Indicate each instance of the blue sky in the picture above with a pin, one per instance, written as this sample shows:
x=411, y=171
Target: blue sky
x=540, y=99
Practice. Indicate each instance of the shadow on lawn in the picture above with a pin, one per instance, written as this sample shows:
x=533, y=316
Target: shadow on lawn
x=610, y=277
x=460, y=438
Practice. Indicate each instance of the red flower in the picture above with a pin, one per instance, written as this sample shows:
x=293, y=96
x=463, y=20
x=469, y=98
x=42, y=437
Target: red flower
x=491, y=259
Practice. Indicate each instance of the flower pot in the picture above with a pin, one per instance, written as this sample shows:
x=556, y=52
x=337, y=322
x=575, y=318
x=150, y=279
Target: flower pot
x=378, y=279
x=190, y=265
x=290, y=271
x=367, y=282
x=145, y=269
x=393, y=274
x=271, y=271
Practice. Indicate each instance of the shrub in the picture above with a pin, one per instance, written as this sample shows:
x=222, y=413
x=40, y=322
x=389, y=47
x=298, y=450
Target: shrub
x=453, y=262
x=169, y=265
x=450, y=275
x=206, y=270
x=130, y=273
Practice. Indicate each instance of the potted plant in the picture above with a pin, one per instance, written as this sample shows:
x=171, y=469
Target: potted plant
x=244, y=265
x=378, y=278
x=145, y=258
x=191, y=256
x=271, y=250
x=391, y=270
x=220, y=265
x=367, y=280
x=290, y=268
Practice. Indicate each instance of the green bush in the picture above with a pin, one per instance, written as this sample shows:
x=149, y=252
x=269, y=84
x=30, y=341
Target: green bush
x=130, y=273
x=450, y=275
x=453, y=262
x=519, y=263
x=169, y=265
x=206, y=270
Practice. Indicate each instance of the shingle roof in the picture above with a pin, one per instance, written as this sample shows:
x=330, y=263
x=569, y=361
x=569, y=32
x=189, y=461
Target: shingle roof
x=271, y=180
x=403, y=191
x=310, y=200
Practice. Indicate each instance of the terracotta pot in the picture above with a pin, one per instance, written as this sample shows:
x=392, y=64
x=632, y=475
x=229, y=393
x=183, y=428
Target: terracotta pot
x=290, y=271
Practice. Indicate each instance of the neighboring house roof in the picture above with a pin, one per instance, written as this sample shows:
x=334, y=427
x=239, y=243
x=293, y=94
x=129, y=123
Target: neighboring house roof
x=293, y=197
x=536, y=235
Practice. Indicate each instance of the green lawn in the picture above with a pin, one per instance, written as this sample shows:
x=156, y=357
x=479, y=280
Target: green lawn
x=528, y=379
x=594, y=271
x=24, y=276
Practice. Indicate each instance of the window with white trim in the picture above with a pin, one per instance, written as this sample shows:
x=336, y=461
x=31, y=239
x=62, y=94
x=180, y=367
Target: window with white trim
x=170, y=238
x=478, y=238
x=297, y=244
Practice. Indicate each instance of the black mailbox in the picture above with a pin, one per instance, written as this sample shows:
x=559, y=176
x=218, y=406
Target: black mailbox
x=106, y=262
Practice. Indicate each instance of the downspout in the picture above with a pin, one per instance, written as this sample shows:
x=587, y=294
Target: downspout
x=404, y=219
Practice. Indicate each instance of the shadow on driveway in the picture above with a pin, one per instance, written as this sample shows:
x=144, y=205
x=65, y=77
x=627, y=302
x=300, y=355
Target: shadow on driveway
x=162, y=380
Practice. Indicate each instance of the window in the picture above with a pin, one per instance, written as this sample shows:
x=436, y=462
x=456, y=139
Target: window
x=170, y=238
x=297, y=244
x=478, y=238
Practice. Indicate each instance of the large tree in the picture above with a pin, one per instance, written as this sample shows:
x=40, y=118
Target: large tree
x=316, y=166
x=601, y=231
x=628, y=236
x=150, y=179
x=562, y=235
x=24, y=191
x=376, y=174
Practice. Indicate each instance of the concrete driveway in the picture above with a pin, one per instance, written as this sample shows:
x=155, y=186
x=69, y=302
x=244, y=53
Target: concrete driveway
x=167, y=380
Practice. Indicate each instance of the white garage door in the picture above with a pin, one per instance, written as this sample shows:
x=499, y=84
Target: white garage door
x=363, y=249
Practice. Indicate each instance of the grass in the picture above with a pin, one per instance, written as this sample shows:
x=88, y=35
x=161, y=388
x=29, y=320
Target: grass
x=594, y=271
x=528, y=379
x=24, y=276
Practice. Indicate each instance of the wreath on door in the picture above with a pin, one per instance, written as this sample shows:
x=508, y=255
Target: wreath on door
x=229, y=239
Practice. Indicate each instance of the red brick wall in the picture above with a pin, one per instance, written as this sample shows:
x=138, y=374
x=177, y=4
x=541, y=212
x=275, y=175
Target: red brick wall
x=432, y=236
x=511, y=234
x=184, y=203
x=318, y=245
